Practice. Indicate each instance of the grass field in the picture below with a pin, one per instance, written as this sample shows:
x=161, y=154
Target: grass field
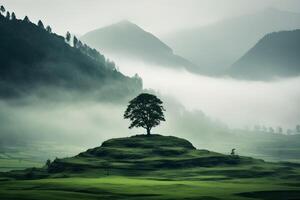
x=32, y=155
x=114, y=187
x=154, y=168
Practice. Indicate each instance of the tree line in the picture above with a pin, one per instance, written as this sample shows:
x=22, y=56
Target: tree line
x=278, y=130
x=69, y=39
x=12, y=16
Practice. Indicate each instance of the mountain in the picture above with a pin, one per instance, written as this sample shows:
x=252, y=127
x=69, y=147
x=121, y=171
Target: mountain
x=275, y=55
x=215, y=47
x=33, y=59
x=125, y=39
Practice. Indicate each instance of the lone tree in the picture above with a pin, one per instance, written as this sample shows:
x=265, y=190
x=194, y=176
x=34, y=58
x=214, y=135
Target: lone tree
x=145, y=111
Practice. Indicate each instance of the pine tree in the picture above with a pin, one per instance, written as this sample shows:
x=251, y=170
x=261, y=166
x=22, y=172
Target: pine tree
x=26, y=19
x=7, y=15
x=2, y=10
x=13, y=16
x=40, y=24
x=75, y=41
x=49, y=29
x=68, y=36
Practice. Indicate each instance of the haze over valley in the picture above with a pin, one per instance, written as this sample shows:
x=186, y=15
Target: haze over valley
x=149, y=100
x=220, y=76
x=220, y=97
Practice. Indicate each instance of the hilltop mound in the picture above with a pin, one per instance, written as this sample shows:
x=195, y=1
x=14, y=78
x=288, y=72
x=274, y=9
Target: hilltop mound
x=143, y=152
x=151, y=141
x=155, y=156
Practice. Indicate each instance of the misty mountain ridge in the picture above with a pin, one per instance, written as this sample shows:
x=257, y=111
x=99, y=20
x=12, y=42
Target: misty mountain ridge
x=127, y=40
x=217, y=46
x=275, y=55
x=33, y=58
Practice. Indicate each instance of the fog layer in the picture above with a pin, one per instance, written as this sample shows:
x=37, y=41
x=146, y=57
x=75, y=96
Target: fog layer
x=237, y=103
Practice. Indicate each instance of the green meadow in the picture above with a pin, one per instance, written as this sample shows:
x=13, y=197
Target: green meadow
x=156, y=167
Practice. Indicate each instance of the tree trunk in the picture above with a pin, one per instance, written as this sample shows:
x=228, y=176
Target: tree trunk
x=148, y=131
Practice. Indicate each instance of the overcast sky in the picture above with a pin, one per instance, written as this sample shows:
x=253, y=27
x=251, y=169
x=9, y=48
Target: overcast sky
x=156, y=16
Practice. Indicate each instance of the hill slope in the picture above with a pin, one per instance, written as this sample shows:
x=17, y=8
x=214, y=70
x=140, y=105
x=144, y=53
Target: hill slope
x=128, y=40
x=143, y=155
x=33, y=58
x=216, y=47
x=275, y=55
x=153, y=167
x=140, y=153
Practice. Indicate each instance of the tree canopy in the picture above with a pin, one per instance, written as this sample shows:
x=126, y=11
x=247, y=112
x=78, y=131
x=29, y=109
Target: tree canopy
x=145, y=111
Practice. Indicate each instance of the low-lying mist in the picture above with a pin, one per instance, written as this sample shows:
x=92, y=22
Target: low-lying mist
x=201, y=109
x=237, y=103
x=88, y=122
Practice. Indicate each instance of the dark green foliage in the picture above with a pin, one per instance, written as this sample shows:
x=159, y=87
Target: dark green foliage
x=68, y=36
x=232, y=152
x=145, y=111
x=8, y=15
x=2, y=9
x=273, y=195
x=13, y=16
x=75, y=41
x=48, y=163
x=26, y=19
x=40, y=24
x=32, y=58
x=49, y=29
x=275, y=55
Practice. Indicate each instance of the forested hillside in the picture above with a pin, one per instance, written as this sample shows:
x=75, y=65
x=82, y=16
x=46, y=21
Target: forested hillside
x=32, y=57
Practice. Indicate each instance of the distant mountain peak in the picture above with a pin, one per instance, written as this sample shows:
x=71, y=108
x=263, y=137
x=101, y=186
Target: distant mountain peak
x=126, y=39
x=275, y=55
x=123, y=24
x=126, y=22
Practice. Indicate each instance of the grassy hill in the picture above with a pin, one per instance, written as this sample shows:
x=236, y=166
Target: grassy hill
x=275, y=55
x=33, y=58
x=127, y=40
x=154, y=167
x=143, y=154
